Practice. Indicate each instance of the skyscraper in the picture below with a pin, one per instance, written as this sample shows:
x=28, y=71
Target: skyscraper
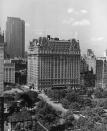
x=1, y=64
x=15, y=37
x=54, y=63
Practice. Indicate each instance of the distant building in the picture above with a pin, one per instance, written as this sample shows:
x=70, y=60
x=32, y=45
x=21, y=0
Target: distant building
x=101, y=72
x=1, y=63
x=54, y=63
x=20, y=70
x=91, y=60
x=83, y=65
x=9, y=72
x=105, y=54
x=15, y=37
x=89, y=79
x=83, y=69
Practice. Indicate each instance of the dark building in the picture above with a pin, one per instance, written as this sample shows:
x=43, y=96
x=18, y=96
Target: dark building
x=1, y=38
x=1, y=63
x=15, y=37
x=20, y=71
x=83, y=65
x=83, y=69
x=89, y=78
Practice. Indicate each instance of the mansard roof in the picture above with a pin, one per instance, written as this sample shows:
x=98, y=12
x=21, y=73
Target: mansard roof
x=62, y=45
x=56, y=44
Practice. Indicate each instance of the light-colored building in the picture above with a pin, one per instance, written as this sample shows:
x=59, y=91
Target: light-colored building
x=1, y=64
x=91, y=60
x=54, y=63
x=9, y=72
x=15, y=37
x=101, y=72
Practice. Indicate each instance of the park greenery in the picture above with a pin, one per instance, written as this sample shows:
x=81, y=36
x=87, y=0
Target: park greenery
x=90, y=107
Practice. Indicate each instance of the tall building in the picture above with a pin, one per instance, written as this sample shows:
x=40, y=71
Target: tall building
x=105, y=54
x=15, y=37
x=9, y=72
x=101, y=72
x=83, y=70
x=54, y=63
x=1, y=64
x=83, y=65
x=91, y=60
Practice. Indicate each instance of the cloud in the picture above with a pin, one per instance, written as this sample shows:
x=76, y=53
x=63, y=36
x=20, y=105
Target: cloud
x=27, y=24
x=70, y=10
x=83, y=11
x=97, y=39
x=83, y=22
x=73, y=11
x=68, y=21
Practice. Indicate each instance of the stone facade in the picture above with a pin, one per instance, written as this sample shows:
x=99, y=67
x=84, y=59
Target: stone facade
x=9, y=72
x=101, y=72
x=54, y=63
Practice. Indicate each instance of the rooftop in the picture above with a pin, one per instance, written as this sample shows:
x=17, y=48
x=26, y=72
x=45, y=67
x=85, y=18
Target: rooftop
x=54, y=44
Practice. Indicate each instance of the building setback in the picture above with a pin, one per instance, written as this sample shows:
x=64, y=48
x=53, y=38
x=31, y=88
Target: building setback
x=54, y=63
x=15, y=37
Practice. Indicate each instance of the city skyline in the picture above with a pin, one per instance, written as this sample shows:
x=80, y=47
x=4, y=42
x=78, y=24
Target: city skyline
x=86, y=20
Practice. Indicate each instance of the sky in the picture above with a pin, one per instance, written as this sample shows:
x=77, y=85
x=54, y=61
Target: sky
x=85, y=20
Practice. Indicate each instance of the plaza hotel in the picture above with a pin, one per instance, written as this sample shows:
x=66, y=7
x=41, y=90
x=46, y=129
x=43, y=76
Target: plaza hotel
x=53, y=63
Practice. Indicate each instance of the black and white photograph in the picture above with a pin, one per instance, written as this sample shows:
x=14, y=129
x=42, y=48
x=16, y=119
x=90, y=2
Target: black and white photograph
x=53, y=65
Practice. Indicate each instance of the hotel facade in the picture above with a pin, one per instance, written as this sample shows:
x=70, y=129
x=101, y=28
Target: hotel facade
x=53, y=63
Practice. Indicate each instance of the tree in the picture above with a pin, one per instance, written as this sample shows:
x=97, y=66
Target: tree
x=25, y=101
x=75, y=106
x=57, y=93
x=72, y=97
x=28, y=99
x=13, y=108
x=69, y=119
x=65, y=103
x=46, y=114
x=98, y=93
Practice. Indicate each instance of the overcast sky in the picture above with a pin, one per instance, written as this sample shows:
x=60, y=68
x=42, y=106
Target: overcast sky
x=84, y=19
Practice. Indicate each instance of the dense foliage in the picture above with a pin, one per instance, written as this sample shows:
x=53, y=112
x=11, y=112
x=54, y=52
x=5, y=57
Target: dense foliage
x=85, y=113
